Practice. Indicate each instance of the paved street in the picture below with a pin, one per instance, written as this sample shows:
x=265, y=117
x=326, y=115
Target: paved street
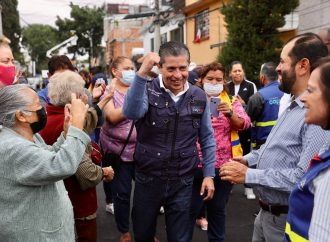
x=239, y=221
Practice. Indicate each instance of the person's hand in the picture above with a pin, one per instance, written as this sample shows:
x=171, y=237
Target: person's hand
x=108, y=94
x=111, y=88
x=239, y=159
x=240, y=99
x=67, y=119
x=149, y=61
x=108, y=173
x=224, y=108
x=98, y=91
x=78, y=111
x=233, y=172
x=207, y=186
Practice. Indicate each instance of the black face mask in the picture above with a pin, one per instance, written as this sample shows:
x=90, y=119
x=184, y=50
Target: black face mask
x=42, y=121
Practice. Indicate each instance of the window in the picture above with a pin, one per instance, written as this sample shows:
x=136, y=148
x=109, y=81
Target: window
x=177, y=35
x=163, y=38
x=202, y=26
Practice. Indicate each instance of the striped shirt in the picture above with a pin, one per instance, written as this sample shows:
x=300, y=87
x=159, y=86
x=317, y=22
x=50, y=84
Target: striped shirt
x=285, y=156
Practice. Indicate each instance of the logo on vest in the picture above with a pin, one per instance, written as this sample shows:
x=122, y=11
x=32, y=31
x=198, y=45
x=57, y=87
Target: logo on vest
x=274, y=101
x=197, y=109
x=153, y=92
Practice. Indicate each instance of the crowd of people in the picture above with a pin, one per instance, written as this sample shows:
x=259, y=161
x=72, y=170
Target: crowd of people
x=184, y=137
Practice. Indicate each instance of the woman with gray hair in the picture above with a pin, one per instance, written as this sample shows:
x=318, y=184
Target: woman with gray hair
x=80, y=186
x=34, y=204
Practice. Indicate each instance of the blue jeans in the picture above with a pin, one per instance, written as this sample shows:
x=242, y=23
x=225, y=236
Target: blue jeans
x=121, y=190
x=215, y=208
x=149, y=195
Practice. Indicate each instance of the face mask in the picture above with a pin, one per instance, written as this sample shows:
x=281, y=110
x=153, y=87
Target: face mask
x=7, y=74
x=42, y=121
x=127, y=77
x=213, y=90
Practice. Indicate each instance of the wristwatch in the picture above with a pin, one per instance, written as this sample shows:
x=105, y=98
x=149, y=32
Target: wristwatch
x=230, y=114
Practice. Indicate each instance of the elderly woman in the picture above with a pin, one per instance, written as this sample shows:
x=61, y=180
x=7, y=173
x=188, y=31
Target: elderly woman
x=81, y=186
x=309, y=202
x=230, y=118
x=34, y=204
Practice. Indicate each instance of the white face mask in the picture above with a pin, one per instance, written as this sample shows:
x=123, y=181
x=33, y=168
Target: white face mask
x=127, y=77
x=213, y=90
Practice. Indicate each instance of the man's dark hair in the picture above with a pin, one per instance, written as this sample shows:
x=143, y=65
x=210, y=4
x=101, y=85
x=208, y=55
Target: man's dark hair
x=173, y=48
x=269, y=70
x=307, y=45
x=59, y=62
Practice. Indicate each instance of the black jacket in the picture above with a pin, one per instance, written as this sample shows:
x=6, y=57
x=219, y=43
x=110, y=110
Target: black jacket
x=246, y=90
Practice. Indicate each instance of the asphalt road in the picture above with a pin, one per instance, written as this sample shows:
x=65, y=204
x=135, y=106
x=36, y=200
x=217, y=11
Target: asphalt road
x=239, y=225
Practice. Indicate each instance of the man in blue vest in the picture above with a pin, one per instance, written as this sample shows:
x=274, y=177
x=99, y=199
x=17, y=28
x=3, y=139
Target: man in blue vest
x=172, y=115
x=263, y=106
x=289, y=147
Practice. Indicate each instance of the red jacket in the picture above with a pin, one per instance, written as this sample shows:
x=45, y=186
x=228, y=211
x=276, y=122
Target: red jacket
x=84, y=202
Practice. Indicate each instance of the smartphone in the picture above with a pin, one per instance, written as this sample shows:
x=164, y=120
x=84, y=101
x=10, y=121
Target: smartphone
x=99, y=82
x=214, y=102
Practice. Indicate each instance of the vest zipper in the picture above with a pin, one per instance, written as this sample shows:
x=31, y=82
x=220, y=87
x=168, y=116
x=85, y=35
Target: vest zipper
x=175, y=133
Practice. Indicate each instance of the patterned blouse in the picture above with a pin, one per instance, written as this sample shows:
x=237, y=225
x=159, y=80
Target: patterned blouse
x=222, y=129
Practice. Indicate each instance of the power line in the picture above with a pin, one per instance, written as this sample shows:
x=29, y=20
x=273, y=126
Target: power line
x=23, y=20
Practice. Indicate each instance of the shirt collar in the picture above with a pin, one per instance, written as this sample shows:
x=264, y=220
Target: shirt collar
x=297, y=100
x=177, y=96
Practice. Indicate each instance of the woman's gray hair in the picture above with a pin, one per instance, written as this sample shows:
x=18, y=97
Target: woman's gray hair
x=13, y=99
x=62, y=84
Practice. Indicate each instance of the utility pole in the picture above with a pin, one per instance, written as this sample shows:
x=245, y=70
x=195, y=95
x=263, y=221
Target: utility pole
x=157, y=26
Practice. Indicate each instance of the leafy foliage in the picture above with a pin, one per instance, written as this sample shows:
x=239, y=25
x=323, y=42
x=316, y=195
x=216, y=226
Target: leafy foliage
x=87, y=24
x=11, y=26
x=39, y=38
x=253, y=37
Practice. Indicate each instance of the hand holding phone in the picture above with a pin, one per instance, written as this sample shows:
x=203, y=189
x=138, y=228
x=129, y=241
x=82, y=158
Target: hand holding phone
x=99, y=82
x=214, y=103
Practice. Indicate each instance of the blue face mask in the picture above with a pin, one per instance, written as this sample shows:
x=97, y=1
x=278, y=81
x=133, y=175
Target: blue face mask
x=127, y=77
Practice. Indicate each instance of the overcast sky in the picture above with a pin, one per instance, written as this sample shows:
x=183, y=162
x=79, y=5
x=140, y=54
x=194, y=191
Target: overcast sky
x=45, y=11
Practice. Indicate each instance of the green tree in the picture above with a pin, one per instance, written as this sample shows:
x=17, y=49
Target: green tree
x=39, y=38
x=253, y=37
x=87, y=24
x=11, y=26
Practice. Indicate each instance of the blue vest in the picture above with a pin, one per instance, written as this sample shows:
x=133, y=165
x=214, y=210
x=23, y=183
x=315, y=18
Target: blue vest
x=264, y=124
x=167, y=134
x=301, y=201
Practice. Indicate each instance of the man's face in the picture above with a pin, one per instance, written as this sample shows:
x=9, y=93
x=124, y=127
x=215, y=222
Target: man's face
x=317, y=111
x=237, y=73
x=286, y=72
x=174, y=72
